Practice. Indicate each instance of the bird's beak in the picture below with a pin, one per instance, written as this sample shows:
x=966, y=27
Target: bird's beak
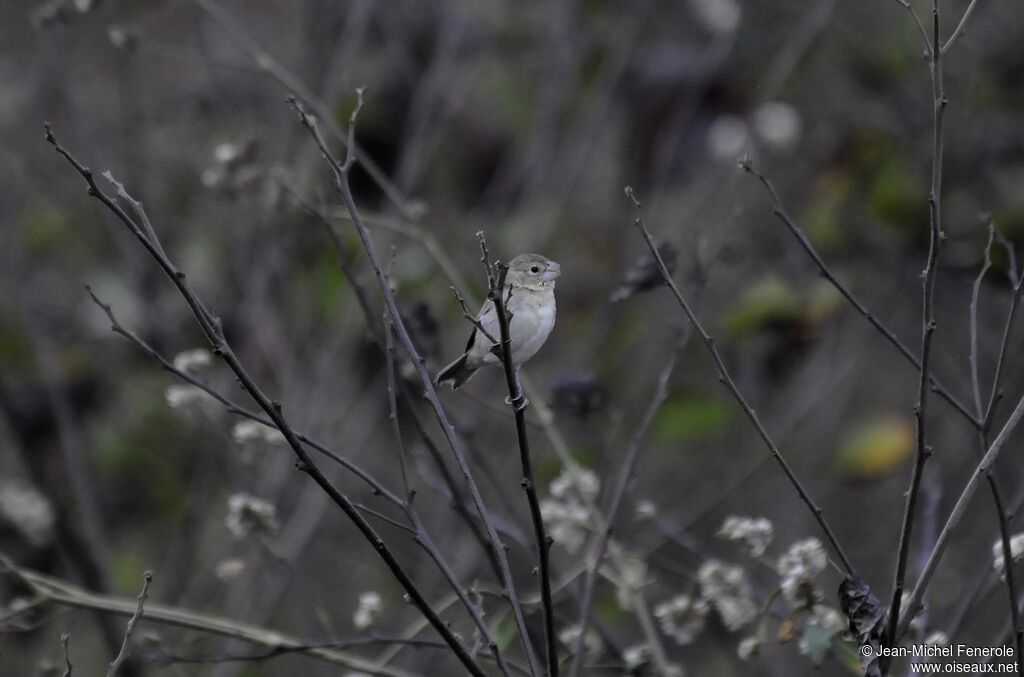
x=553, y=272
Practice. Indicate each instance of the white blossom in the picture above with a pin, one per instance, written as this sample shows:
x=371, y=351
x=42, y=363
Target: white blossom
x=632, y=575
x=754, y=532
x=728, y=589
x=576, y=478
x=366, y=614
x=728, y=136
x=646, y=509
x=719, y=16
x=1016, y=551
x=27, y=510
x=182, y=396
x=682, y=617
x=798, y=568
x=567, y=522
x=252, y=431
x=193, y=360
x=247, y=514
x=591, y=642
x=228, y=569
x=636, y=656
x=778, y=124
x=748, y=647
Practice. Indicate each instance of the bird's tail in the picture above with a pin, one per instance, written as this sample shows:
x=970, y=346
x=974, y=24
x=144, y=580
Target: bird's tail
x=456, y=373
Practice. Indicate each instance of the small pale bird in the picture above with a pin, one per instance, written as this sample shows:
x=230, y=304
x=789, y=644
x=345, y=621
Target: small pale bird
x=531, y=279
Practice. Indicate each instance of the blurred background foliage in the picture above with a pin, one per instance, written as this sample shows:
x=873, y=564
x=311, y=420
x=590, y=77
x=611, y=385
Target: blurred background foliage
x=525, y=120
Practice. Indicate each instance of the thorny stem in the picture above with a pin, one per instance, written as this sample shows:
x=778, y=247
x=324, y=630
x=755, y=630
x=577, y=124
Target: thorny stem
x=495, y=293
x=730, y=385
x=341, y=184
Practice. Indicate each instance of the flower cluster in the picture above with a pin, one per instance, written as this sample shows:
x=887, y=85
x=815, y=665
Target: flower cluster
x=682, y=617
x=1016, y=551
x=565, y=513
x=248, y=514
x=368, y=611
x=754, y=532
x=728, y=589
x=799, y=567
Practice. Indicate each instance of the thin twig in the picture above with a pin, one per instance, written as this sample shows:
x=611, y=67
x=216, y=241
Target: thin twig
x=936, y=237
x=211, y=327
x=618, y=491
x=987, y=461
x=519, y=403
x=780, y=211
x=65, y=641
x=960, y=27
x=920, y=26
x=122, y=655
x=973, y=318
x=473, y=319
x=65, y=594
x=727, y=381
x=341, y=184
x=985, y=430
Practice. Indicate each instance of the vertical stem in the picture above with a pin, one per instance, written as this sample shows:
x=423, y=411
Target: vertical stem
x=936, y=237
x=519, y=405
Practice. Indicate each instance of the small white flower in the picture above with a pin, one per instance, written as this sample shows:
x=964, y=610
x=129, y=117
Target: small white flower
x=228, y=569
x=576, y=478
x=754, y=532
x=778, y=124
x=567, y=521
x=226, y=153
x=646, y=509
x=682, y=617
x=28, y=511
x=798, y=568
x=591, y=642
x=181, y=396
x=366, y=614
x=748, y=647
x=193, y=360
x=719, y=16
x=632, y=575
x=1016, y=551
x=728, y=137
x=247, y=514
x=252, y=431
x=728, y=589
x=636, y=656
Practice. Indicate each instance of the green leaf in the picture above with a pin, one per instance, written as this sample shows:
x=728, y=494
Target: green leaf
x=686, y=420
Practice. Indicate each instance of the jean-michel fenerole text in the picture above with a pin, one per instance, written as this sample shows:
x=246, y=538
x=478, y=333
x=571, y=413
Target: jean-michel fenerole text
x=948, y=651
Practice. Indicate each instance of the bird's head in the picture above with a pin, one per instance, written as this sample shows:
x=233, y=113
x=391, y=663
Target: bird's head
x=532, y=271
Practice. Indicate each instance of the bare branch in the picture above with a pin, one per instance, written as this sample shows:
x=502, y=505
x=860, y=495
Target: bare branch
x=519, y=403
x=960, y=27
x=726, y=380
x=342, y=186
x=618, y=491
x=122, y=655
x=221, y=347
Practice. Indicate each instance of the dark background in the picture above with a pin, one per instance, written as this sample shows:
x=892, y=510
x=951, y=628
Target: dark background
x=525, y=120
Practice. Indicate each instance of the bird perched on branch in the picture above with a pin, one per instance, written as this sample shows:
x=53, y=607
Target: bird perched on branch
x=529, y=296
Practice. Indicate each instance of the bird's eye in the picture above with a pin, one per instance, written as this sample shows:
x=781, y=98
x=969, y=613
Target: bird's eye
x=535, y=269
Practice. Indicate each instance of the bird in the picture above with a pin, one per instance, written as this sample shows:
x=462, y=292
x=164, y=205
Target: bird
x=530, y=302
